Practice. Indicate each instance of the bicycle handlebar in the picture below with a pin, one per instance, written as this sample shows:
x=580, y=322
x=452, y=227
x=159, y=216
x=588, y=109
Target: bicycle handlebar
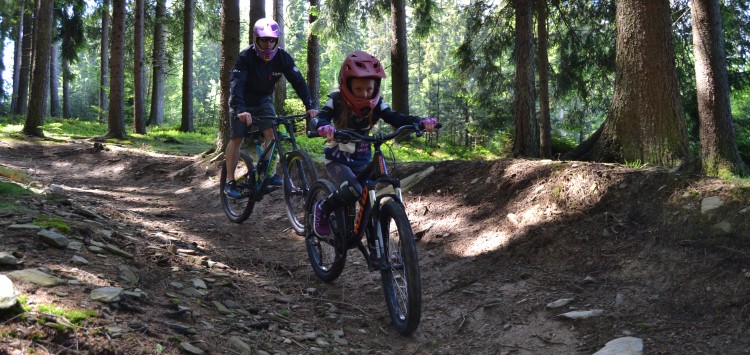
x=345, y=135
x=280, y=117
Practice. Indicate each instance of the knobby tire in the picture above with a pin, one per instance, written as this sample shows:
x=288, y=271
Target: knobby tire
x=295, y=188
x=327, y=257
x=238, y=210
x=401, y=280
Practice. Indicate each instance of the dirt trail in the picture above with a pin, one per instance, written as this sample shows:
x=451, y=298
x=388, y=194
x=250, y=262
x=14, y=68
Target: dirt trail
x=499, y=241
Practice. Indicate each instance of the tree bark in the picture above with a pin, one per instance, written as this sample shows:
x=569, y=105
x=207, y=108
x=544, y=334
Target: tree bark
x=230, y=48
x=313, y=58
x=526, y=142
x=187, y=68
x=66, y=88
x=54, y=81
x=116, y=122
x=104, y=78
x=17, y=57
x=25, y=71
x=40, y=71
x=399, y=58
x=139, y=101
x=545, y=124
x=280, y=90
x=257, y=12
x=645, y=122
x=156, y=116
x=719, y=155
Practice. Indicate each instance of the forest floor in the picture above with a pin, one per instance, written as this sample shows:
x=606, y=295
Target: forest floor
x=664, y=256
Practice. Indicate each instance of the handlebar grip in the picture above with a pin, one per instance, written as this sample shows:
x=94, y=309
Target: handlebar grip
x=313, y=134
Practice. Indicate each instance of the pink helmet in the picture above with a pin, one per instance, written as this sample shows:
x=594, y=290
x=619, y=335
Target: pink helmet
x=360, y=64
x=266, y=28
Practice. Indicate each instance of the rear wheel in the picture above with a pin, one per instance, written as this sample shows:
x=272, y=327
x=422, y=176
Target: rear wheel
x=238, y=210
x=327, y=255
x=401, y=283
x=302, y=174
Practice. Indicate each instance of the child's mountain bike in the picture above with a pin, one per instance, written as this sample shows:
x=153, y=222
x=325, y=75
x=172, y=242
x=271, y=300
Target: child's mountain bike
x=381, y=219
x=254, y=181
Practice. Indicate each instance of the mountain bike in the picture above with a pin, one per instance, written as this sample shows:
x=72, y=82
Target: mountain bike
x=379, y=217
x=253, y=181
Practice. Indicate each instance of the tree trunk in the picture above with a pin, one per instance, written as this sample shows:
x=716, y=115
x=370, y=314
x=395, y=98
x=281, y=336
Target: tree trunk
x=156, y=116
x=25, y=72
x=719, y=155
x=117, y=73
x=17, y=57
x=645, y=122
x=54, y=81
x=280, y=90
x=40, y=72
x=66, y=88
x=104, y=75
x=139, y=103
x=313, y=59
x=526, y=141
x=230, y=48
x=257, y=12
x=399, y=58
x=187, y=68
x=545, y=125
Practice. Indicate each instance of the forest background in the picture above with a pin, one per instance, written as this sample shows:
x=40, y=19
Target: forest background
x=461, y=65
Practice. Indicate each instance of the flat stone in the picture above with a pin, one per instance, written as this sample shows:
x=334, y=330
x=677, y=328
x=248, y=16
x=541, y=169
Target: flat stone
x=106, y=294
x=221, y=308
x=622, y=346
x=190, y=349
x=115, y=250
x=7, y=259
x=24, y=226
x=198, y=283
x=709, y=204
x=79, y=260
x=582, y=314
x=240, y=345
x=53, y=238
x=36, y=277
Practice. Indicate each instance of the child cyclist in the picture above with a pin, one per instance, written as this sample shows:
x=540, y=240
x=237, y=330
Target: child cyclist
x=356, y=106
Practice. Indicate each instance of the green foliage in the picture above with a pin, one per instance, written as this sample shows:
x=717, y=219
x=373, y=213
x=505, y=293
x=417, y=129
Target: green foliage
x=14, y=175
x=52, y=222
x=75, y=316
x=9, y=192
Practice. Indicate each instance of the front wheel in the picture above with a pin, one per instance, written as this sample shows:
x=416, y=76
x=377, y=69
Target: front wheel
x=327, y=255
x=401, y=284
x=301, y=175
x=238, y=210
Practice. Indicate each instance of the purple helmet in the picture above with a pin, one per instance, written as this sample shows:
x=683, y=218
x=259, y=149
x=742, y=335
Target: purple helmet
x=266, y=28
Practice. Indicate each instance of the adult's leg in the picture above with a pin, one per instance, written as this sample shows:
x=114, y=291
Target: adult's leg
x=232, y=156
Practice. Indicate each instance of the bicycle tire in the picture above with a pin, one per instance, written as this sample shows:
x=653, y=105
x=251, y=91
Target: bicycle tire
x=238, y=210
x=327, y=257
x=295, y=188
x=401, y=280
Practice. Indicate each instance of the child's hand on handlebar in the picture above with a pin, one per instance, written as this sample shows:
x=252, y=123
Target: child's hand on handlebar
x=327, y=132
x=429, y=124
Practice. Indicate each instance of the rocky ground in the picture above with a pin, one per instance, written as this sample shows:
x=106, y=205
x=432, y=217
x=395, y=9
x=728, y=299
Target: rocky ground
x=512, y=253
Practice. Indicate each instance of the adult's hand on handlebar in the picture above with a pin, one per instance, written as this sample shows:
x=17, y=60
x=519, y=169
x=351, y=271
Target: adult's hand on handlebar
x=327, y=132
x=245, y=117
x=312, y=113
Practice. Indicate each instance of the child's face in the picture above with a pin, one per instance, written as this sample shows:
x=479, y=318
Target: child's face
x=363, y=87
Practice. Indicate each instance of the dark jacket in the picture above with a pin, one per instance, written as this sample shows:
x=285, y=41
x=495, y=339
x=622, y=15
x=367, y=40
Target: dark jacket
x=253, y=80
x=356, y=157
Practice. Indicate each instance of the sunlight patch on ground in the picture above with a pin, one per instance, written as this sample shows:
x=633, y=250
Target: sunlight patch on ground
x=486, y=242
